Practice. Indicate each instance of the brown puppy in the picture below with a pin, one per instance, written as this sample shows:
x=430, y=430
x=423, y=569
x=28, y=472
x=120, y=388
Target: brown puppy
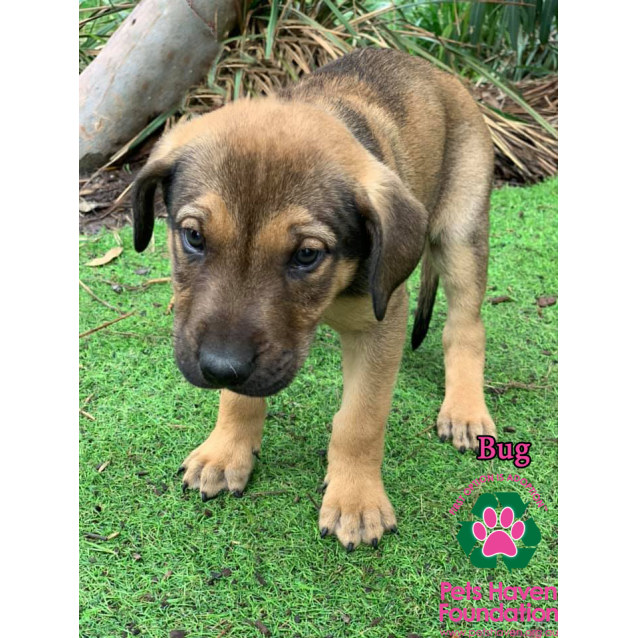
x=316, y=205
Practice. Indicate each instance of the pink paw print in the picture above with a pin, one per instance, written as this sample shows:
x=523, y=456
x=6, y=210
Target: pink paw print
x=499, y=541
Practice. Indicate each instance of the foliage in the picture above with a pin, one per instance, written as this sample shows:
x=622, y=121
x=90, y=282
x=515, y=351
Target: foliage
x=514, y=39
x=98, y=20
x=486, y=44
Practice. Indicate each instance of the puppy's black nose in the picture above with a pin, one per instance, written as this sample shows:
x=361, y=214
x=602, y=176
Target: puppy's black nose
x=227, y=365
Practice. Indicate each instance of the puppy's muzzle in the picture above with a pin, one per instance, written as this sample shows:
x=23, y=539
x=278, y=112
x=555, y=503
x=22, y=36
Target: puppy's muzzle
x=227, y=365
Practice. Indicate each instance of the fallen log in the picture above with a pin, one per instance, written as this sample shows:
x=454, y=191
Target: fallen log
x=163, y=48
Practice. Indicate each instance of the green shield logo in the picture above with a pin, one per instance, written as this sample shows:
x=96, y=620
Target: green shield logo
x=499, y=532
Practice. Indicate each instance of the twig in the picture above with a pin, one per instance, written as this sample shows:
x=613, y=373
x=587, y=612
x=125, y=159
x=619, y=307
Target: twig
x=426, y=430
x=95, y=537
x=99, y=537
x=104, y=303
x=134, y=335
x=105, y=325
x=159, y=280
x=87, y=415
x=144, y=284
x=502, y=388
x=312, y=500
x=113, y=205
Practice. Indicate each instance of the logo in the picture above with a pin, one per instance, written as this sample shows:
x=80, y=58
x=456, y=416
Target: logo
x=499, y=532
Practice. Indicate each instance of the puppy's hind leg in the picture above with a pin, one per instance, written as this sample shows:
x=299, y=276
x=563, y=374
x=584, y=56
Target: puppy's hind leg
x=463, y=415
x=459, y=247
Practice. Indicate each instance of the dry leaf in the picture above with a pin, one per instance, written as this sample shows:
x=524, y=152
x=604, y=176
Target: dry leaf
x=501, y=299
x=86, y=206
x=107, y=257
x=544, y=302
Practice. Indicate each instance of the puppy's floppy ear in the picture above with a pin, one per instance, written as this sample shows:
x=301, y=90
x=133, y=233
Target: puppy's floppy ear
x=143, y=196
x=397, y=223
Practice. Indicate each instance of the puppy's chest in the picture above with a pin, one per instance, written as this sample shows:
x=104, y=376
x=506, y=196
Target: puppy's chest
x=350, y=314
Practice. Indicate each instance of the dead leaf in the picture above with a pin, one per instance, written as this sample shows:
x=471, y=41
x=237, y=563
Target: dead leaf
x=262, y=628
x=501, y=299
x=543, y=302
x=85, y=206
x=110, y=255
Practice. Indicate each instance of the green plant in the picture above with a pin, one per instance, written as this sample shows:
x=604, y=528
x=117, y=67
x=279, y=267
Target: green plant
x=98, y=20
x=515, y=39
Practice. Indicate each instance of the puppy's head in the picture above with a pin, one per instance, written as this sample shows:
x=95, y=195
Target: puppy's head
x=274, y=210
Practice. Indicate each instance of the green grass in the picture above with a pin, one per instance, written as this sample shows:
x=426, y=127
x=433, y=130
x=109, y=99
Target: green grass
x=178, y=563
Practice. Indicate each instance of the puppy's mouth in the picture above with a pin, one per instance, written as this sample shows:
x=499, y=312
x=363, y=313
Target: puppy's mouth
x=263, y=387
x=266, y=378
x=264, y=382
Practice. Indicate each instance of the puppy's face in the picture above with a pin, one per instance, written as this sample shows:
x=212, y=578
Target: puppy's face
x=268, y=224
x=261, y=245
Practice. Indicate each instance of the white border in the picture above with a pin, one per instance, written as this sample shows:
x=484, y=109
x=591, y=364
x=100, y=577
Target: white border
x=597, y=267
x=40, y=319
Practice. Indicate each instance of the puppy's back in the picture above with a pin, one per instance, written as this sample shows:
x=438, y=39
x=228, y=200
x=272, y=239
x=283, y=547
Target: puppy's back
x=398, y=106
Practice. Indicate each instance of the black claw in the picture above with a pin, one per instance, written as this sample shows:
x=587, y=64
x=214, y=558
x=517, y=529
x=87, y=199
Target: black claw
x=238, y=493
x=256, y=453
x=443, y=438
x=324, y=532
x=181, y=470
x=205, y=497
x=393, y=529
x=462, y=449
x=375, y=542
x=184, y=487
x=350, y=547
x=324, y=485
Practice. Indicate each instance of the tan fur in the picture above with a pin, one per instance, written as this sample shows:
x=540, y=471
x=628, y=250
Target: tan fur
x=355, y=506
x=225, y=459
x=406, y=147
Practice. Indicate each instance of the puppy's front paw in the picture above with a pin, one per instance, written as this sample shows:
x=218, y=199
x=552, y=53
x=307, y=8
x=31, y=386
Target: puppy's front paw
x=220, y=463
x=356, y=510
x=462, y=421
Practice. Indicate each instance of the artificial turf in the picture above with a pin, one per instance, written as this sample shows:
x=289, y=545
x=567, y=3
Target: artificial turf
x=154, y=560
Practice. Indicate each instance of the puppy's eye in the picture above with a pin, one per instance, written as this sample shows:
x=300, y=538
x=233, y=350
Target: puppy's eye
x=193, y=240
x=306, y=258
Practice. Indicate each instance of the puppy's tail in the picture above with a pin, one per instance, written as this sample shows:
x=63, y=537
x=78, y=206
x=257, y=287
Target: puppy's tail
x=427, y=295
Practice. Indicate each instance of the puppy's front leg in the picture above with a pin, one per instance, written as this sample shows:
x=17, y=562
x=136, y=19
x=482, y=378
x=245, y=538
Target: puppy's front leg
x=225, y=459
x=355, y=506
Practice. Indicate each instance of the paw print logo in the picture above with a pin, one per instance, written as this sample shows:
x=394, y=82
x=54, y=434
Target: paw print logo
x=499, y=541
x=495, y=535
